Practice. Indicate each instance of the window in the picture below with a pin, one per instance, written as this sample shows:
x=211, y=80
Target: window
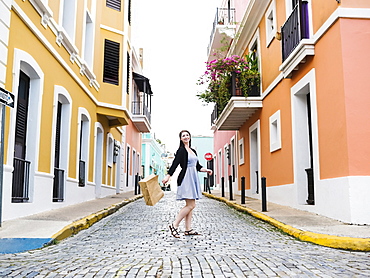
x=241, y=151
x=111, y=62
x=114, y=4
x=69, y=17
x=83, y=154
x=275, y=132
x=89, y=40
x=270, y=18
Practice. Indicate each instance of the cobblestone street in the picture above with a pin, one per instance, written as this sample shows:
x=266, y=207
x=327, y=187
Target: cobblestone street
x=135, y=242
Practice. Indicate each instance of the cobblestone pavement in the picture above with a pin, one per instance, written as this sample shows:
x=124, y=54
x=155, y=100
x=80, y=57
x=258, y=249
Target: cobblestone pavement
x=135, y=242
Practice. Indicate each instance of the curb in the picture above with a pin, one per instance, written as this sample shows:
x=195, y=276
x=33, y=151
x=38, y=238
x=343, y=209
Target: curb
x=338, y=242
x=89, y=220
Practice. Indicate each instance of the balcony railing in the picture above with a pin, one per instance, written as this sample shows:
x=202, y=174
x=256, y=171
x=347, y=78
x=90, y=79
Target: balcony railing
x=21, y=176
x=224, y=16
x=81, y=174
x=58, y=186
x=295, y=28
x=214, y=115
x=139, y=108
x=234, y=91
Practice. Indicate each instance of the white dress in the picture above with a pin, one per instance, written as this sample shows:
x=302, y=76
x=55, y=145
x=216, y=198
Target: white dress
x=190, y=185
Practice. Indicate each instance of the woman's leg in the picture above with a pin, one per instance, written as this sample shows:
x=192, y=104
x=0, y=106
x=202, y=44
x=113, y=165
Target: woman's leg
x=185, y=212
x=188, y=219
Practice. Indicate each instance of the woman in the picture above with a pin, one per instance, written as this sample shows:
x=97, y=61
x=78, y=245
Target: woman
x=188, y=183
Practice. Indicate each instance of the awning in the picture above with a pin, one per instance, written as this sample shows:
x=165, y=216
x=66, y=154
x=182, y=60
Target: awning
x=116, y=116
x=143, y=83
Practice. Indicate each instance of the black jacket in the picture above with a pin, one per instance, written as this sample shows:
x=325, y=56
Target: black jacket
x=181, y=157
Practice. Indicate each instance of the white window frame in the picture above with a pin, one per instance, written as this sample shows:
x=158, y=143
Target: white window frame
x=270, y=22
x=275, y=131
x=241, y=151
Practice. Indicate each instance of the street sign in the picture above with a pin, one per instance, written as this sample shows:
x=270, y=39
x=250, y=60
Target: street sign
x=6, y=98
x=208, y=156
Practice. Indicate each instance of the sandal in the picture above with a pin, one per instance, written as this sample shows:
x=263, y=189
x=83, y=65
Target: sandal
x=174, y=231
x=191, y=233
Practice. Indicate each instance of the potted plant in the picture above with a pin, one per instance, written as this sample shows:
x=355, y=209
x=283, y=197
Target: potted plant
x=218, y=79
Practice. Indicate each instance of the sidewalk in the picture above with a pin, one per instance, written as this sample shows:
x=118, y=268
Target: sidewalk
x=40, y=229
x=303, y=225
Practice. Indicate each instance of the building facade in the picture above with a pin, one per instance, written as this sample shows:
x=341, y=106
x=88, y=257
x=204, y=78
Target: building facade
x=153, y=161
x=72, y=135
x=306, y=130
x=203, y=145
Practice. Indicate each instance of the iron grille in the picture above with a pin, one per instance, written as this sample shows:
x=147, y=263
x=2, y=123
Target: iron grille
x=21, y=183
x=81, y=174
x=58, y=186
x=295, y=29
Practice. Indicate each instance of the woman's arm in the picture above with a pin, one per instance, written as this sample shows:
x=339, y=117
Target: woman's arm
x=174, y=165
x=208, y=171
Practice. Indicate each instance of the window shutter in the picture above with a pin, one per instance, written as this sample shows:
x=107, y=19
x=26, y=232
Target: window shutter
x=111, y=62
x=114, y=4
x=128, y=73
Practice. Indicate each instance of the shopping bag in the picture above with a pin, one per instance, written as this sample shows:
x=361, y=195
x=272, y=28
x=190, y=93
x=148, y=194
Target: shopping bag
x=151, y=190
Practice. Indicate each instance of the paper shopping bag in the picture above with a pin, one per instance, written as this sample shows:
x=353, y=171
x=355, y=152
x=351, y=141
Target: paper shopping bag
x=151, y=190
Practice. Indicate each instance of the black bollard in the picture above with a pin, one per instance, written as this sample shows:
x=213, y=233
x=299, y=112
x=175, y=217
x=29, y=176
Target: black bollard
x=136, y=185
x=222, y=187
x=208, y=185
x=231, y=187
x=243, y=190
x=205, y=184
x=263, y=189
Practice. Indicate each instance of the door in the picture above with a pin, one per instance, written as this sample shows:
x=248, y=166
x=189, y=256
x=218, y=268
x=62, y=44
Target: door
x=21, y=166
x=58, y=184
x=309, y=171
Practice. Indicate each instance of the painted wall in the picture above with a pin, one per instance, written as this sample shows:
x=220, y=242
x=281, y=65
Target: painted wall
x=56, y=69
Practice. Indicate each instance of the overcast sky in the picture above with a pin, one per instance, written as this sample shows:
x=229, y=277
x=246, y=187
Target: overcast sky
x=175, y=36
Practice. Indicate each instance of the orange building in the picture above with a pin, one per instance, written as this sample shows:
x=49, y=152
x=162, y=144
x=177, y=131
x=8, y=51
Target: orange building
x=307, y=129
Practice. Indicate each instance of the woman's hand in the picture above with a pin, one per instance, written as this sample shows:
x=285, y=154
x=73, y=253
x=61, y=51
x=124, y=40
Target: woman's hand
x=166, y=179
x=209, y=171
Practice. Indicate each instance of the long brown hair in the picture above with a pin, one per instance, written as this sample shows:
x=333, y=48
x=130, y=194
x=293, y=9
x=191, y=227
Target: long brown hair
x=182, y=143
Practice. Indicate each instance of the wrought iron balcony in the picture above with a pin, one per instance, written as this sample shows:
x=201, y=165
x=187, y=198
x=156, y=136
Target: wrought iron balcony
x=223, y=30
x=295, y=29
x=21, y=176
x=141, y=116
x=238, y=110
x=141, y=104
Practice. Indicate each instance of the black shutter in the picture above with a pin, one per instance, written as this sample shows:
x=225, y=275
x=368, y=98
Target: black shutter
x=22, y=116
x=114, y=4
x=111, y=62
x=128, y=72
x=129, y=12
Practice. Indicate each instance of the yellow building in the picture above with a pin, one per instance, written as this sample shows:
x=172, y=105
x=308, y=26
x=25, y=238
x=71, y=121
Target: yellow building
x=68, y=64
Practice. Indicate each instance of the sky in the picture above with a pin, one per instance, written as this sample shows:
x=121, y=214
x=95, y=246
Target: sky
x=174, y=36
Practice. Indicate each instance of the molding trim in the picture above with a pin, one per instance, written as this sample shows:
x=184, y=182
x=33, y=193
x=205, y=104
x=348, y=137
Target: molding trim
x=62, y=37
x=64, y=64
